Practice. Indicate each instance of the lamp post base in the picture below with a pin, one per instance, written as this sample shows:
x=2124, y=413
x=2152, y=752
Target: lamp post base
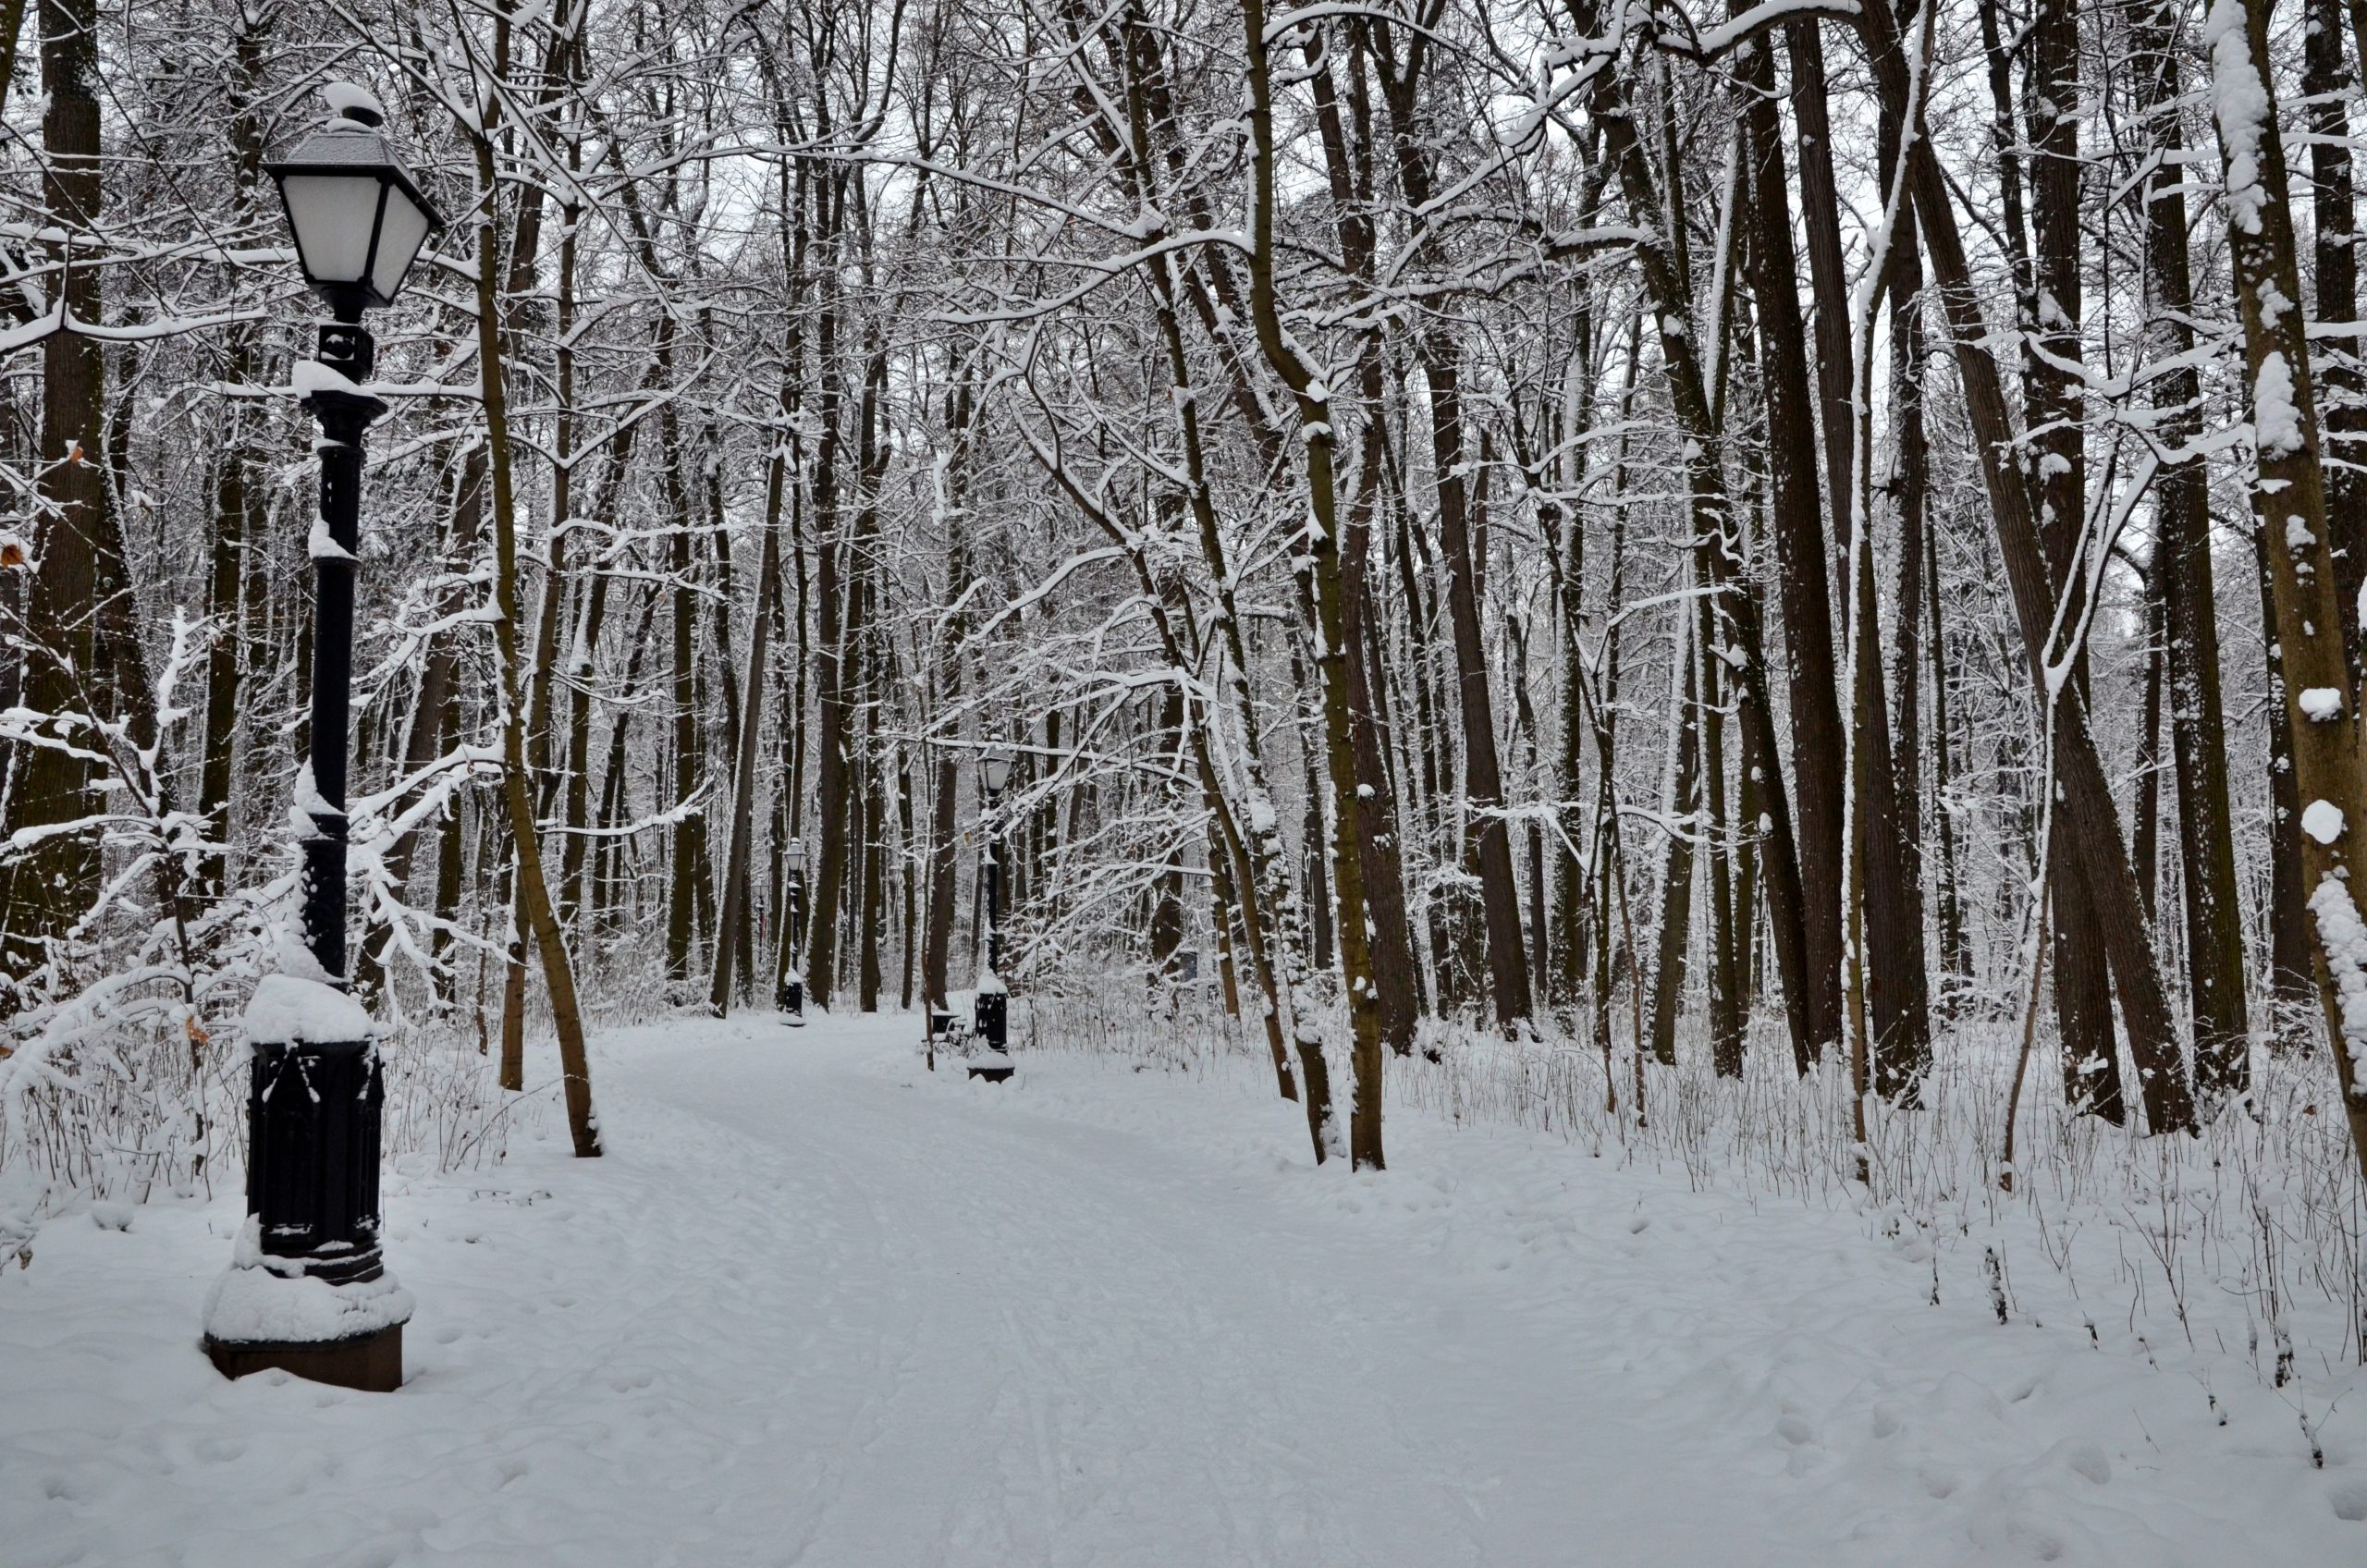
x=989, y=1021
x=372, y=1363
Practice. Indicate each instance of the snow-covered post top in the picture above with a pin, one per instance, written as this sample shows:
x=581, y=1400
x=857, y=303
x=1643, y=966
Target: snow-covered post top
x=351, y=106
x=288, y=1010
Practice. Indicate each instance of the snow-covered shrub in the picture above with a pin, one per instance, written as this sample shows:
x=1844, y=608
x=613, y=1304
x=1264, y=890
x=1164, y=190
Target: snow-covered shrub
x=122, y=1070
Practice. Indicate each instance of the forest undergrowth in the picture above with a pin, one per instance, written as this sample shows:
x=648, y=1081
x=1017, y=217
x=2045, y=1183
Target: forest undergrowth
x=147, y=1111
x=2242, y=1246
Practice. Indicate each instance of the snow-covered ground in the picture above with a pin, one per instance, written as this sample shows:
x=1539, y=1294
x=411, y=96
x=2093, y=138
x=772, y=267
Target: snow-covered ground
x=821, y=1306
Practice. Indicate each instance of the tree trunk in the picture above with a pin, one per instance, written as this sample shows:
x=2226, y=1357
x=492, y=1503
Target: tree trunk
x=1912, y=493
x=1351, y=173
x=532, y=891
x=744, y=781
x=1525, y=721
x=1273, y=917
x=944, y=847
x=610, y=846
x=2326, y=85
x=865, y=672
x=1899, y=1050
x=41, y=886
x=1680, y=812
x=1955, y=943
x=1891, y=930
x=1821, y=215
x=2289, y=503
x=2216, y=965
x=451, y=845
x=836, y=737
x=1315, y=884
x=688, y=870
x=1482, y=772
x=237, y=513
x=1803, y=581
x=2057, y=455
x=1318, y=440
x=2292, y=987
x=2145, y=819
x=575, y=759
x=1221, y=928
x=1166, y=929
x=1727, y=1003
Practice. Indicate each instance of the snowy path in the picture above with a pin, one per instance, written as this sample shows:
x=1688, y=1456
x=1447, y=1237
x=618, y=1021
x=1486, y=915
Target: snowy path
x=822, y=1307
x=1043, y=1342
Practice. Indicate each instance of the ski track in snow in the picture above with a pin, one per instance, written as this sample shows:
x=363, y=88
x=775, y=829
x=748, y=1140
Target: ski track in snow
x=822, y=1307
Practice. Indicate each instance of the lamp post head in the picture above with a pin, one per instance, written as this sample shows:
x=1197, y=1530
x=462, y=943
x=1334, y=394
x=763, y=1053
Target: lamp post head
x=794, y=854
x=358, y=219
x=994, y=771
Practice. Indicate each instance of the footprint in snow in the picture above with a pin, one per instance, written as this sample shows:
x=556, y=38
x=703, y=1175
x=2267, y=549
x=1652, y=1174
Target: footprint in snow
x=2042, y=1544
x=2085, y=1460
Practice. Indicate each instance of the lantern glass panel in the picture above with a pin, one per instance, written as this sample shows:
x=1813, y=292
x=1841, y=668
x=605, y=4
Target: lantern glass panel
x=333, y=216
x=401, y=234
x=998, y=771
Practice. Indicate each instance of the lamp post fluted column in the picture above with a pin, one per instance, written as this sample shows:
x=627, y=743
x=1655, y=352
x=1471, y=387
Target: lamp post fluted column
x=349, y=354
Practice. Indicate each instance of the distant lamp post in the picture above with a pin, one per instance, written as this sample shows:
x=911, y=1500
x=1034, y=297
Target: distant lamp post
x=991, y=1014
x=307, y=1290
x=791, y=995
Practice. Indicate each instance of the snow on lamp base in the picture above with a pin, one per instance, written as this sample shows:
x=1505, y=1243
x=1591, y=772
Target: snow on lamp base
x=306, y=1291
x=269, y=1312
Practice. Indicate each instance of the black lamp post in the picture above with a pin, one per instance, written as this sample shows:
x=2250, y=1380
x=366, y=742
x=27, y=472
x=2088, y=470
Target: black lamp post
x=314, y=1086
x=790, y=998
x=991, y=1013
